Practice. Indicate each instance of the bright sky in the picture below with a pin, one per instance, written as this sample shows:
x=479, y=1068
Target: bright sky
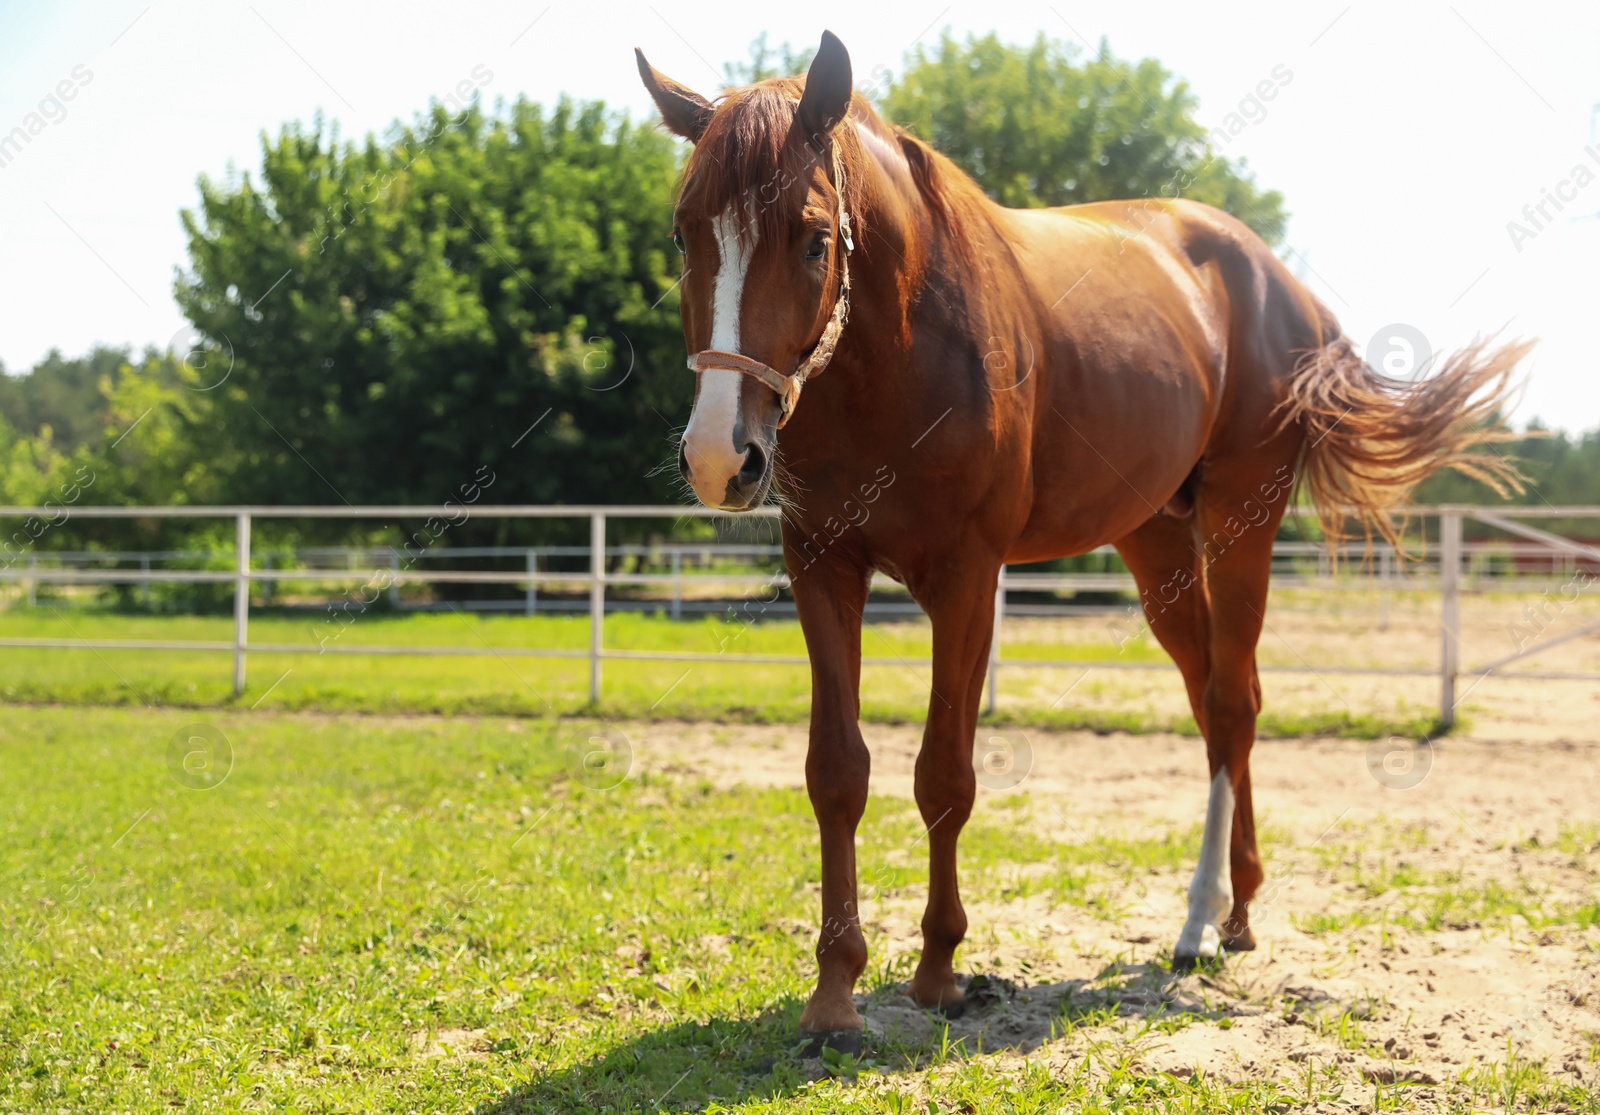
x=1408, y=138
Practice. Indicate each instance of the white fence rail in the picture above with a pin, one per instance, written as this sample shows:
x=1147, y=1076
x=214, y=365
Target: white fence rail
x=75, y=568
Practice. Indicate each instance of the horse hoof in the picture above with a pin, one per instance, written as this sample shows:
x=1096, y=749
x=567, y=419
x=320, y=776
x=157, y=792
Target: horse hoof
x=840, y=1041
x=943, y=997
x=1188, y=963
x=1242, y=941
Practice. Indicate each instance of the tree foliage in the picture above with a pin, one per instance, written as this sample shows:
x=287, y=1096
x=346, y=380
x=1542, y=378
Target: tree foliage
x=1036, y=127
x=154, y=445
x=67, y=394
x=474, y=293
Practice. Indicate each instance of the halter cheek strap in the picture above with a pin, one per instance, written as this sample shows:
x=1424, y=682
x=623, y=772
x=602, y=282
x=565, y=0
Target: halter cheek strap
x=788, y=386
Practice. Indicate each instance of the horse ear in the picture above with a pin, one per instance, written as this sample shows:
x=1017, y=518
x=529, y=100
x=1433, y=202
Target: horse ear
x=827, y=94
x=684, y=111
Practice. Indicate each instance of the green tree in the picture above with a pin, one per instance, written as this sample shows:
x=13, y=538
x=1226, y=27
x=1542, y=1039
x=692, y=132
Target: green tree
x=63, y=393
x=1035, y=127
x=396, y=318
x=153, y=445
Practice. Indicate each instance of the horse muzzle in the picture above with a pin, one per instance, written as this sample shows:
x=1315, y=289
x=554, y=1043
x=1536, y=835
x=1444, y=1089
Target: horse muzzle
x=731, y=481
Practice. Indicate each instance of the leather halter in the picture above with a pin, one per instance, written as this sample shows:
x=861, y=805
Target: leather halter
x=788, y=386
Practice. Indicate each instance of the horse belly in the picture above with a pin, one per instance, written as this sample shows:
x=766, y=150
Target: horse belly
x=1064, y=522
x=1107, y=460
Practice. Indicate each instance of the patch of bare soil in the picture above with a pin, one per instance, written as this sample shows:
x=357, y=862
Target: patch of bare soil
x=451, y=1042
x=1396, y=983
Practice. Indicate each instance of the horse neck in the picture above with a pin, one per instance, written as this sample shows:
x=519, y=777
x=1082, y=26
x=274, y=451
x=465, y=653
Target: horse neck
x=896, y=276
x=897, y=243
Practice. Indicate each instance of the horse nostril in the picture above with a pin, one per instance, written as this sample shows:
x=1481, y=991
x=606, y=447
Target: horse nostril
x=683, y=459
x=754, y=467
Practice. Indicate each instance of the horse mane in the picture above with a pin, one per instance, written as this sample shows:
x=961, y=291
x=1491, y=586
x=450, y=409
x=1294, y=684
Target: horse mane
x=749, y=149
x=957, y=202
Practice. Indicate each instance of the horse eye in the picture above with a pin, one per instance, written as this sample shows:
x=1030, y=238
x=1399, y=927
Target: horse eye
x=677, y=242
x=818, y=248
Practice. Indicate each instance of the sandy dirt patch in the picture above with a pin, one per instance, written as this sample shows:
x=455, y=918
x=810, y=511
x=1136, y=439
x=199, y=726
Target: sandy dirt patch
x=1378, y=997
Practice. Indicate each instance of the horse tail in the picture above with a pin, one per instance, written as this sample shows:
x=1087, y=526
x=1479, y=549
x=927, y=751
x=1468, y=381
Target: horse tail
x=1370, y=439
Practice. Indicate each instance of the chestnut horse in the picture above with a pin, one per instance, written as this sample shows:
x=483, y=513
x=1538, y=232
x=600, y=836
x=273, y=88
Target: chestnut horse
x=1039, y=382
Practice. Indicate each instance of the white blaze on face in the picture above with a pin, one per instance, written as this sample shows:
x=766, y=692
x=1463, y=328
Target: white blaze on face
x=714, y=459
x=1211, y=891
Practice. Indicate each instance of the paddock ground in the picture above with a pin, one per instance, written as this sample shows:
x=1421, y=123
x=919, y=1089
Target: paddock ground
x=225, y=909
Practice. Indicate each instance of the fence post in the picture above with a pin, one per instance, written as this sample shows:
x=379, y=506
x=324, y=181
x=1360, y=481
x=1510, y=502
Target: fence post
x=241, y=601
x=994, y=641
x=597, y=600
x=1449, y=613
x=530, y=600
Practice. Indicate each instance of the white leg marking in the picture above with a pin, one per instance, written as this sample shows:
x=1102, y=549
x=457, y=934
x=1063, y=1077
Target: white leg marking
x=713, y=458
x=1211, y=891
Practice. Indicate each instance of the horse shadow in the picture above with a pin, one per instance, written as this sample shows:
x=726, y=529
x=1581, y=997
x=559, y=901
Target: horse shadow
x=689, y=1065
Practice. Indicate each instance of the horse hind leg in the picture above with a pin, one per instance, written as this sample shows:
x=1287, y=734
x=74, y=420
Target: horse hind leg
x=1235, y=531
x=1191, y=603
x=1169, y=567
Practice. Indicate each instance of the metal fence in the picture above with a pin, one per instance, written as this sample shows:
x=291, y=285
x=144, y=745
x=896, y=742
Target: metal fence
x=1452, y=568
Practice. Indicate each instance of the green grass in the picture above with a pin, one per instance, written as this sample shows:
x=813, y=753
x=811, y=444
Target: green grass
x=1522, y=1083
x=731, y=691
x=1432, y=900
x=1446, y=906
x=292, y=937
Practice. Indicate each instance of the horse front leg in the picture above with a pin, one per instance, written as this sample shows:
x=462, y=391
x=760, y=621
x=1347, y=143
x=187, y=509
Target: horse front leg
x=829, y=596
x=963, y=626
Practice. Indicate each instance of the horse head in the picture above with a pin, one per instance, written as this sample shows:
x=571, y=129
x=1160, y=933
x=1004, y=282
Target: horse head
x=763, y=224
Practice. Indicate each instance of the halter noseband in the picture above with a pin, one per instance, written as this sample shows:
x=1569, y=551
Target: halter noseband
x=788, y=386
